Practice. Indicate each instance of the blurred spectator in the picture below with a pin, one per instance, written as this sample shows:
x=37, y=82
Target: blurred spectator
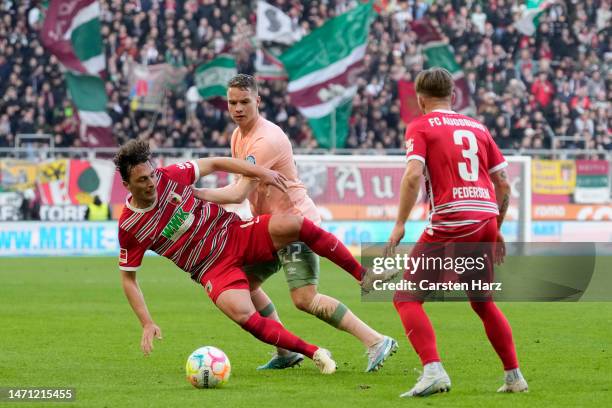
x=563, y=71
x=97, y=210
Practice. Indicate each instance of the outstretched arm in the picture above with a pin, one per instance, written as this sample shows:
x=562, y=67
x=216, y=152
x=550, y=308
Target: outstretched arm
x=136, y=299
x=243, y=167
x=234, y=193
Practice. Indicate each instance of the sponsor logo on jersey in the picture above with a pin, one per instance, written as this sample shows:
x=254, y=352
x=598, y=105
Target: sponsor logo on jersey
x=250, y=158
x=178, y=225
x=123, y=255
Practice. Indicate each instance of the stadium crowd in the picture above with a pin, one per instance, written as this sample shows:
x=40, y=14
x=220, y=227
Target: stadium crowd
x=527, y=89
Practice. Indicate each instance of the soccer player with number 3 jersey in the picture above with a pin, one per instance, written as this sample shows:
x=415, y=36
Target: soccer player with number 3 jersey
x=468, y=193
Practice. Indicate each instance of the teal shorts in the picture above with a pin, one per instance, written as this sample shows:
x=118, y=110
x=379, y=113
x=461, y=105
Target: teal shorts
x=301, y=266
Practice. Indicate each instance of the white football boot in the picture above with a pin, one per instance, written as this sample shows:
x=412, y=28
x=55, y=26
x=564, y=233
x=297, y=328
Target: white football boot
x=322, y=359
x=433, y=380
x=514, y=382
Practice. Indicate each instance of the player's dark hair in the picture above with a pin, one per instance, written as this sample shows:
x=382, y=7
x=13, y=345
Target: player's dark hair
x=435, y=83
x=131, y=154
x=243, y=81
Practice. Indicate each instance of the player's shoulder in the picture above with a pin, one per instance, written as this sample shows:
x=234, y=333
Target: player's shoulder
x=419, y=125
x=270, y=135
x=125, y=221
x=162, y=175
x=125, y=213
x=269, y=128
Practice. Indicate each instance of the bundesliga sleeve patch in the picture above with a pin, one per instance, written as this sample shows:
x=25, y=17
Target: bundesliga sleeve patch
x=409, y=145
x=123, y=255
x=251, y=159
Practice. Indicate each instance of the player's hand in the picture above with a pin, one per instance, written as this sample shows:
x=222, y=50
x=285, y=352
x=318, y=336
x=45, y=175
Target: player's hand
x=149, y=332
x=198, y=193
x=394, y=239
x=499, y=250
x=273, y=178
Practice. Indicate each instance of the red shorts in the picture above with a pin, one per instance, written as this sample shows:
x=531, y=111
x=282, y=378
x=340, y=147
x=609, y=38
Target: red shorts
x=485, y=231
x=435, y=244
x=248, y=242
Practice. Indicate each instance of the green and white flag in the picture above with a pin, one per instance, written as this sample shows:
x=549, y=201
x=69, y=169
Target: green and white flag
x=212, y=77
x=529, y=21
x=274, y=25
x=71, y=31
x=323, y=69
x=439, y=54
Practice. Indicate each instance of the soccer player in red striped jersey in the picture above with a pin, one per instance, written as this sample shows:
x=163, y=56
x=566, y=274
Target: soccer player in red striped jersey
x=469, y=193
x=161, y=214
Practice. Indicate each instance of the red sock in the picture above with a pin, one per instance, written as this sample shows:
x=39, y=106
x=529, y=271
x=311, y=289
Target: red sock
x=498, y=331
x=271, y=332
x=418, y=330
x=327, y=245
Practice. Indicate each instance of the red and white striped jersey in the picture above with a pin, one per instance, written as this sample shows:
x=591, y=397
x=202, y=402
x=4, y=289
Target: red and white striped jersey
x=459, y=154
x=190, y=232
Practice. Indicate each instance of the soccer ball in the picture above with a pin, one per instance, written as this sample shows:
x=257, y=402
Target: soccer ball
x=208, y=367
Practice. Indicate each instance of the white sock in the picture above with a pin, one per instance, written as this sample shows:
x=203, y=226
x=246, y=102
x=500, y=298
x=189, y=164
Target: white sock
x=511, y=376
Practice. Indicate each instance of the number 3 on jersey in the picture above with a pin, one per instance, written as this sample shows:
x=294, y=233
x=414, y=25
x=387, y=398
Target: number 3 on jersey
x=471, y=153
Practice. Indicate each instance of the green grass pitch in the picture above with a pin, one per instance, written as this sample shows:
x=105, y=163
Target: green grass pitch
x=64, y=322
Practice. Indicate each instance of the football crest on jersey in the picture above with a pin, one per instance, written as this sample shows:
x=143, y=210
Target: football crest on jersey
x=251, y=159
x=409, y=145
x=174, y=198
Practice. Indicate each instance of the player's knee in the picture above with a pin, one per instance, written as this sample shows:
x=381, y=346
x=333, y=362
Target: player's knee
x=238, y=312
x=303, y=297
x=241, y=316
x=303, y=303
x=303, y=300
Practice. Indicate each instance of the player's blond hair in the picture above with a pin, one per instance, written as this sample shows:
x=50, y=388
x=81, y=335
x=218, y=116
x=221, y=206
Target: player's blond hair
x=435, y=83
